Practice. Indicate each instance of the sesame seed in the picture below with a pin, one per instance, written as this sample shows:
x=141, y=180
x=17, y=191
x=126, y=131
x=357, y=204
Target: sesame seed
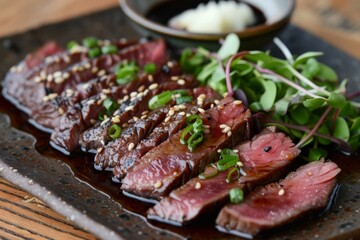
x=188, y=114
x=202, y=96
x=309, y=174
x=129, y=108
x=225, y=95
x=140, y=95
x=141, y=88
x=171, y=112
x=176, y=108
x=61, y=111
x=94, y=69
x=125, y=125
x=37, y=79
x=91, y=101
x=133, y=94
x=181, y=113
x=181, y=82
x=13, y=69
x=153, y=86
x=229, y=133
x=57, y=59
x=174, y=78
x=103, y=96
x=217, y=102
x=57, y=74
x=170, y=64
x=240, y=164
x=150, y=78
x=135, y=118
x=49, y=78
x=223, y=126
x=75, y=68
x=59, y=80
x=85, y=86
x=219, y=150
x=69, y=92
x=125, y=91
x=131, y=146
x=52, y=96
x=201, y=110
x=92, y=121
x=206, y=126
x=206, y=131
x=236, y=151
x=101, y=73
x=227, y=129
x=158, y=184
x=212, y=105
x=237, y=102
x=167, y=119
x=144, y=116
x=125, y=98
x=66, y=75
x=87, y=65
x=115, y=119
x=146, y=91
x=66, y=59
x=182, y=107
x=99, y=150
x=174, y=173
x=43, y=74
x=99, y=102
x=105, y=121
x=281, y=192
x=19, y=68
x=106, y=91
x=116, y=112
x=198, y=185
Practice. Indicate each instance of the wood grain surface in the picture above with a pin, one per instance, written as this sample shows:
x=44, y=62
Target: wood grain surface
x=23, y=216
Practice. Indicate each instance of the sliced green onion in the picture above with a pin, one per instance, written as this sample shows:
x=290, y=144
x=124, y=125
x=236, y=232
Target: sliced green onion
x=110, y=105
x=236, y=195
x=229, y=159
x=70, y=45
x=108, y=49
x=126, y=72
x=94, y=52
x=101, y=115
x=182, y=92
x=195, y=140
x=184, y=99
x=150, y=68
x=207, y=175
x=230, y=177
x=192, y=119
x=187, y=131
x=114, y=131
x=160, y=100
x=90, y=42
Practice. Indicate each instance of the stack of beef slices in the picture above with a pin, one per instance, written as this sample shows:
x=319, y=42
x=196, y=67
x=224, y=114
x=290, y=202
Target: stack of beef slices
x=167, y=140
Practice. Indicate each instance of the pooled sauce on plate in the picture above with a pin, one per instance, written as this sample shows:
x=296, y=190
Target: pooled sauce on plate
x=82, y=166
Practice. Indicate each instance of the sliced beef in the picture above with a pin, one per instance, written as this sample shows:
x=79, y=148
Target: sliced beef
x=48, y=84
x=204, y=96
x=171, y=164
x=265, y=158
x=307, y=189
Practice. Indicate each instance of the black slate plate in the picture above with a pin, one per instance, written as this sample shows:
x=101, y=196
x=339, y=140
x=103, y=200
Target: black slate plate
x=70, y=190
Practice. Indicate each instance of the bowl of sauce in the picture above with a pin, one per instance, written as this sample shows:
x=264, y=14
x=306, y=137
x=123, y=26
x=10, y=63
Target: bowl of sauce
x=193, y=23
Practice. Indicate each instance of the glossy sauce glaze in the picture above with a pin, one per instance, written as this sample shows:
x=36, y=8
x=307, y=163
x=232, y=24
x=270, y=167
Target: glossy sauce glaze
x=83, y=168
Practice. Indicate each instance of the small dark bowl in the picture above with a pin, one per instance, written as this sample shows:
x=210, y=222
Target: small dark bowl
x=150, y=19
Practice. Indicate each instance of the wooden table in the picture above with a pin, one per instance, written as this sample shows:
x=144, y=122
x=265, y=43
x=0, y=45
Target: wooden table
x=21, y=215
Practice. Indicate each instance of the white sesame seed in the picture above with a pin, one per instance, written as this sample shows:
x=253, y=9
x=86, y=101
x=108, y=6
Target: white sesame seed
x=13, y=69
x=59, y=80
x=181, y=113
x=103, y=96
x=115, y=119
x=145, y=112
x=225, y=94
x=153, y=86
x=19, y=68
x=202, y=96
x=181, y=82
x=182, y=107
x=85, y=86
x=57, y=59
x=217, y=102
x=94, y=69
x=144, y=116
x=66, y=59
x=141, y=88
x=167, y=119
x=158, y=184
x=116, y=112
x=87, y=65
x=61, y=111
x=236, y=151
x=91, y=101
x=99, y=102
x=105, y=121
x=49, y=78
x=150, y=78
x=223, y=126
x=206, y=126
x=129, y=108
x=133, y=94
x=135, y=118
x=146, y=91
x=69, y=92
x=52, y=96
x=125, y=98
x=240, y=164
x=131, y=146
x=237, y=102
x=92, y=121
x=43, y=74
x=37, y=79
x=99, y=150
x=229, y=133
x=174, y=78
x=219, y=150
x=198, y=185
x=125, y=91
x=281, y=192
x=101, y=73
x=227, y=129
x=57, y=74
x=171, y=112
x=106, y=91
x=201, y=110
x=66, y=75
x=212, y=105
x=125, y=125
x=188, y=114
x=170, y=64
x=140, y=95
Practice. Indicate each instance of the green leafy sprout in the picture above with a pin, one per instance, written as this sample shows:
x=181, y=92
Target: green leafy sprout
x=298, y=94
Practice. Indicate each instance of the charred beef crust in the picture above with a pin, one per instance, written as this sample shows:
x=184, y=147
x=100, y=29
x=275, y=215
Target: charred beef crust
x=188, y=203
x=171, y=164
x=304, y=190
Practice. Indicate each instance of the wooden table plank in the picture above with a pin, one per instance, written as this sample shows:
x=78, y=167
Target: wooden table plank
x=336, y=21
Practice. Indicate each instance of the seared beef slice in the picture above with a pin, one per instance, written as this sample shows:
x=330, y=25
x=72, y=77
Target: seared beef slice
x=307, y=189
x=265, y=158
x=171, y=164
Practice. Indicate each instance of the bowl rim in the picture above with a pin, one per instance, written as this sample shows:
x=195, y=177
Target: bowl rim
x=139, y=19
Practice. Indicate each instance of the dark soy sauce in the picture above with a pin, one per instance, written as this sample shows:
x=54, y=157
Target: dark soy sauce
x=164, y=11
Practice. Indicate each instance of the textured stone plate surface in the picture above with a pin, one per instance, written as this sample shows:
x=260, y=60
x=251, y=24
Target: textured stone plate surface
x=53, y=181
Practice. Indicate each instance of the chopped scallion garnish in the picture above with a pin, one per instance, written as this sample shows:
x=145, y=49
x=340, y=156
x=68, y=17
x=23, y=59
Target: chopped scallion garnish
x=110, y=105
x=126, y=72
x=228, y=159
x=150, y=68
x=90, y=42
x=192, y=135
x=183, y=99
x=94, y=52
x=233, y=175
x=160, y=100
x=108, y=49
x=70, y=45
x=209, y=173
x=114, y=131
x=236, y=195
